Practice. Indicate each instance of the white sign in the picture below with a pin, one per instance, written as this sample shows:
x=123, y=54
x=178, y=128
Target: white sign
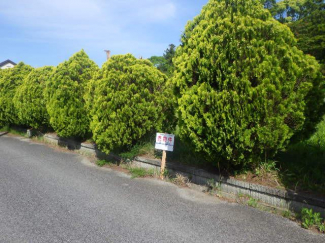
x=165, y=141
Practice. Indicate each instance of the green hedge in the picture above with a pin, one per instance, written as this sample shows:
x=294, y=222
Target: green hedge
x=243, y=87
x=131, y=100
x=65, y=95
x=242, y=90
x=29, y=99
x=10, y=80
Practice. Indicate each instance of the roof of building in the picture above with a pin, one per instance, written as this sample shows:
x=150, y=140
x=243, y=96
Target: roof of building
x=6, y=62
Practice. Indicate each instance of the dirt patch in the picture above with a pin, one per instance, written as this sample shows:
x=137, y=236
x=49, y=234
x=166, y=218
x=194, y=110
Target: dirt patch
x=268, y=179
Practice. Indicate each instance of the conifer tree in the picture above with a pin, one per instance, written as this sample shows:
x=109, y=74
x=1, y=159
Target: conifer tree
x=29, y=99
x=10, y=80
x=65, y=95
x=131, y=100
x=242, y=84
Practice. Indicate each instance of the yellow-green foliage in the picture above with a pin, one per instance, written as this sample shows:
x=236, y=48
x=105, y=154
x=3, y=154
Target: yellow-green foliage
x=10, y=80
x=241, y=82
x=64, y=94
x=29, y=99
x=131, y=99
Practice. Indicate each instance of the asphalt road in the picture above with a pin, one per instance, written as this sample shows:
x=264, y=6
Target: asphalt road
x=52, y=196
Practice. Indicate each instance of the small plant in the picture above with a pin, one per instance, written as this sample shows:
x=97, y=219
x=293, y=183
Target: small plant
x=212, y=185
x=101, y=163
x=140, y=172
x=252, y=202
x=266, y=167
x=286, y=214
x=307, y=218
x=180, y=180
x=310, y=219
x=131, y=153
x=321, y=227
x=166, y=174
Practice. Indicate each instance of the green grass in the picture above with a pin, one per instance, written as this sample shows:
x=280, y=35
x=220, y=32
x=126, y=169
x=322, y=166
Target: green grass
x=252, y=202
x=140, y=172
x=286, y=214
x=103, y=162
x=12, y=131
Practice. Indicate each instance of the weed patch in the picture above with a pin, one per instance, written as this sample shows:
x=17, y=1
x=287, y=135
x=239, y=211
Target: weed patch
x=286, y=214
x=101, y=163
x=310, y=219
x=180, y=180
x=252, y=202
x=140, y=172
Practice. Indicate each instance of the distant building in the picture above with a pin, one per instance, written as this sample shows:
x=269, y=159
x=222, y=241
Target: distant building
x=7, y=64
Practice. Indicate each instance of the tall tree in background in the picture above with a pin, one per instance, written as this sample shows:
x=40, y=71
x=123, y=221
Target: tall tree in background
x=165, y=63
x=288, y=10
x=306, y=19
x=309, y=29
x=169, y=55
x=268, y=4
x=159, y=62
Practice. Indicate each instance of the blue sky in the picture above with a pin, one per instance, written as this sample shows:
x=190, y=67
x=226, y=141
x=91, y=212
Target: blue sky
x=47, y=32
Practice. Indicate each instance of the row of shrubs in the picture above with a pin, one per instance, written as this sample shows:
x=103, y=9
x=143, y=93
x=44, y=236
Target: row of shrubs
x=241, y=90
x=118, y=104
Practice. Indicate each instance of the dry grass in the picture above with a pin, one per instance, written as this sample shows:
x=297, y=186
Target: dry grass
x=181, y=180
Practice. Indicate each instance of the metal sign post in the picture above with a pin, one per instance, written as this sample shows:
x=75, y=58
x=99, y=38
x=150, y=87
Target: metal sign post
x=164, y=142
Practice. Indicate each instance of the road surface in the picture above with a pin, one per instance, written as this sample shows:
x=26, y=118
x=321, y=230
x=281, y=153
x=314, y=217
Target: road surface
x=52, y=196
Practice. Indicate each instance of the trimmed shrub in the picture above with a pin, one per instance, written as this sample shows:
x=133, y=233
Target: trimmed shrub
x=29, y=99
x=64, y=93
x=10, y=80
x=131, y=100
x=242, y=84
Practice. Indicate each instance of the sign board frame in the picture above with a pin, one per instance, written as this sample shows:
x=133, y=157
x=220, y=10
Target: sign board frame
x=165, y=142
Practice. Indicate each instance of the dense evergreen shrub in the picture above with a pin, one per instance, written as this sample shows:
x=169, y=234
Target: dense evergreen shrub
x=29, y=99
x=65, y=95
x=242, y=84
x=10, y=80
x=131, y=100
